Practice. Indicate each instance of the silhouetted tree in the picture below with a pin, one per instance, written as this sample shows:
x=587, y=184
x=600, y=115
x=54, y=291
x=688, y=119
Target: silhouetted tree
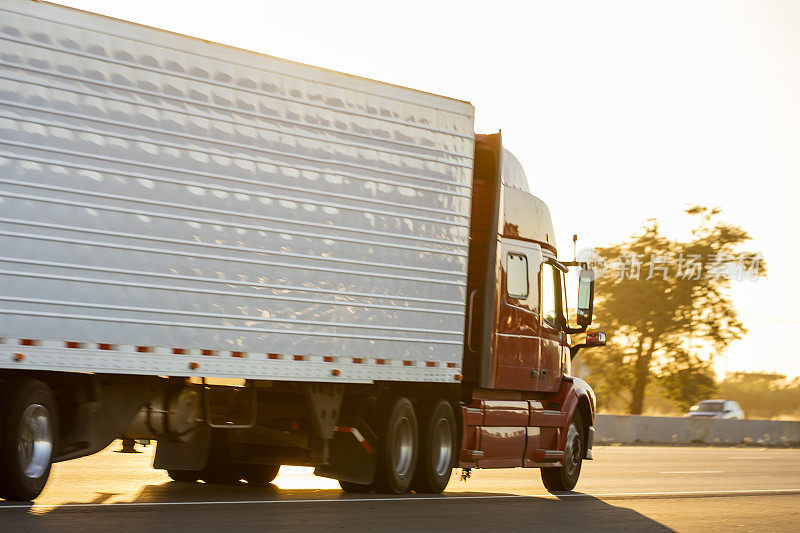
x=661, y=302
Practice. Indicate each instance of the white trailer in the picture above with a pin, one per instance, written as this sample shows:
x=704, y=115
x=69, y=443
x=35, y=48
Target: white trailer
x=162, y=193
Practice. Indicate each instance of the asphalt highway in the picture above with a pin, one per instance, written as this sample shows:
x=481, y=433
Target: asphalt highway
x=624, y=488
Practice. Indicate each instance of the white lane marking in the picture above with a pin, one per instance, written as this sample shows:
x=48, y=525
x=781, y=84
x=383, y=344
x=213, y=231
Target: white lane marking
x=692, y=472
x=557, y=495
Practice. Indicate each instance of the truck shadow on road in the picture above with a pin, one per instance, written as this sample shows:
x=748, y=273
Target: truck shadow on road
x=176, y=506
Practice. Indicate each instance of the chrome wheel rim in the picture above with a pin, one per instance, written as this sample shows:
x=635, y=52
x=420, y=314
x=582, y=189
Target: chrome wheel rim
x=442, y=447
x=403, y=447
x=572, y=455
x=35, y=445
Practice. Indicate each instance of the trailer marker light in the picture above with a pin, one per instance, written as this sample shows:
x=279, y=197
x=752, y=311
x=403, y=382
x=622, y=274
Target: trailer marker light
x=178, y=351
x=104, y=346
x=274, y=355
x=408, y=363
x=327, y=359
x=380, y=361
x=144, y=349
x=19, y=357
x=336, y=372
x=73, y=344
x=299, y=357
x=28, y=342
x=208, y=352
x=451, y=365
x=430, y=363
x=358, y=360
x=237, y=354
x=294, y=426
x=458, y=377
x=194, y=366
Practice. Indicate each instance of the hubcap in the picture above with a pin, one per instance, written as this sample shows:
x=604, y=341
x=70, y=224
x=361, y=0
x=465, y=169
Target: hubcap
x=35, y=441
x=442, y=447
x=403, y=448
x=573, y=455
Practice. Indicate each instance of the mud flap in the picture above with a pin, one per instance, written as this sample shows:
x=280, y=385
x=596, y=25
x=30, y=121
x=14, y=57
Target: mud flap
x=352, y=452
x=589, y=443
x=191, y=455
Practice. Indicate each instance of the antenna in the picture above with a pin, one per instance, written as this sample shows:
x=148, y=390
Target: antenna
x=575, y=248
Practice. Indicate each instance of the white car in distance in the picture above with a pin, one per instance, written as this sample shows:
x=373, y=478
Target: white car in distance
x=716, y=409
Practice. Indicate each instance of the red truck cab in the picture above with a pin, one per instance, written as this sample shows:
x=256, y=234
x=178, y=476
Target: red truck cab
x=522, y=407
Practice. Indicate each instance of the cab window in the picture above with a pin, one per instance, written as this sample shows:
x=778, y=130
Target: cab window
x=517, y=276
x=549, y=291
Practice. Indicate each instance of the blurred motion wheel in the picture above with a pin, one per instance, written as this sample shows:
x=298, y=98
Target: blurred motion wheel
x=260, y=474
x=184, y=475
x=565, y=477
x=437, y=448
x=29, y=430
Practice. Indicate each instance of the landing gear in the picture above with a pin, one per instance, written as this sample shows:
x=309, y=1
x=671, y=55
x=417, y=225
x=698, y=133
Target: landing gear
x=27, y=439
x=565, y=477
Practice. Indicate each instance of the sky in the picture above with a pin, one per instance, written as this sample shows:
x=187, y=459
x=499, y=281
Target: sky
x=619, y=111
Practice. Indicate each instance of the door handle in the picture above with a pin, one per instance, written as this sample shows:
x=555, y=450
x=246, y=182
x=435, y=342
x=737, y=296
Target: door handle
x=472, y=295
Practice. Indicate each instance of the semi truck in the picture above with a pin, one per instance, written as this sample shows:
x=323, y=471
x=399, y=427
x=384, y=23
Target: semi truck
x=255, y=263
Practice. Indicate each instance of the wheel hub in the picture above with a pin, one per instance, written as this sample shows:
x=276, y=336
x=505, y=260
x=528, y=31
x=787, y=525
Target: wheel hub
x=403, y=449
x=442, y=447
x=35, y=441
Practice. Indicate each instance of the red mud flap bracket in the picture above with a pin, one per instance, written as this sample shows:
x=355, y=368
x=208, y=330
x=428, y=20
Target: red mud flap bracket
x=352, y=452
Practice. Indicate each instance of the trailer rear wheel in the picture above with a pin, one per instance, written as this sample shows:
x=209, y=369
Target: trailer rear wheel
x=438, y=443
x=28, y=436
x=219, y=467
x=398, y=443
x=566, y=477
x=260, y=474
x=222, y=474
x=189, y=476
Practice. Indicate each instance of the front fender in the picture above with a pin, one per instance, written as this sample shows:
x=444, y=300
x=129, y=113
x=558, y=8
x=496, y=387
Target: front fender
x=573, y=392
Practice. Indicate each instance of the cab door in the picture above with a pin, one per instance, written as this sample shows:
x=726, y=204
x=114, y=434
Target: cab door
x=554, y=345
x=517, y=337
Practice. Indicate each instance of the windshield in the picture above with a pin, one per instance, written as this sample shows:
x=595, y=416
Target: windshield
x=714, y=407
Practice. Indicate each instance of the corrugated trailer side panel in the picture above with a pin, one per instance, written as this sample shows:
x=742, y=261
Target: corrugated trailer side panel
x=167, y=201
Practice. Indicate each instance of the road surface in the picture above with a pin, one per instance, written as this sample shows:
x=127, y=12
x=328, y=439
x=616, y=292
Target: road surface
x=631, y=488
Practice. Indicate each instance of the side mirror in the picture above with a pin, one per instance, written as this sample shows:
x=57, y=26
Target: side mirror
x=592, y=340
x=595, y=339
x=585, y=297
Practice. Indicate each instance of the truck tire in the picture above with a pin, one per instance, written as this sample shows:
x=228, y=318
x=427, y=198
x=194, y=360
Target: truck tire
x=398, y=443
x=564, y=478
x=189, y=476
x=438, y=442
x=219, y=467
x=357, y=488
x=29, y=436
x=223, y=474
x=260, y=474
